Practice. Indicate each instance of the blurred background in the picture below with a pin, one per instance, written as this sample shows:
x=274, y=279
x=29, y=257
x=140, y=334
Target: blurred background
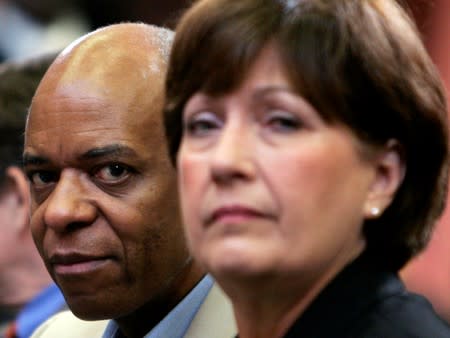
x=32, y=27
x=429, y=274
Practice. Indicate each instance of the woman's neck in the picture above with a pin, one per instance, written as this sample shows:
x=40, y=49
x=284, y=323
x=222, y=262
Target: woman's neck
x=270, y=311
x=267, y=306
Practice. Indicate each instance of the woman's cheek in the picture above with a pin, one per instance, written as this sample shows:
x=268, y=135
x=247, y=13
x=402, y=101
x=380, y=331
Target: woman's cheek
x=189, y=181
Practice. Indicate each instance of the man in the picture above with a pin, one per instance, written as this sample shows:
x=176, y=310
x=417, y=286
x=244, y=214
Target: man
x=27, y=295
x=104, y=207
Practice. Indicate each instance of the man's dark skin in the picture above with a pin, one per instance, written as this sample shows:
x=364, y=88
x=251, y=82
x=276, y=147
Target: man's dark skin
x=104, y=206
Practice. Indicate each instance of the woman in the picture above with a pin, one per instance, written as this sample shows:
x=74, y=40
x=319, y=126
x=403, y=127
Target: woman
x=311, y=143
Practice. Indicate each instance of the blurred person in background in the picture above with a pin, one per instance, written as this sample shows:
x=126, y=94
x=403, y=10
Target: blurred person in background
x=27, y=293
x=31, y=28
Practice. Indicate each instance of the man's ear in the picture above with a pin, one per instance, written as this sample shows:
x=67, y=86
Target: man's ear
x=20, y=188
x=390, y=171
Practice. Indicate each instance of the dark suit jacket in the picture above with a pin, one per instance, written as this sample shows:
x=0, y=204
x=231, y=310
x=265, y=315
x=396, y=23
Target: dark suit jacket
x=365, y=301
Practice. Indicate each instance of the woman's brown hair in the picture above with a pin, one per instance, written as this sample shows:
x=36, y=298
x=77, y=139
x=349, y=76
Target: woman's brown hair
x=360, y=63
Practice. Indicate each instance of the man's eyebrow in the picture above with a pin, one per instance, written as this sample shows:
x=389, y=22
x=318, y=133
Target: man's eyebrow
x=113, y=150
x=29, y=159
x=110, y=150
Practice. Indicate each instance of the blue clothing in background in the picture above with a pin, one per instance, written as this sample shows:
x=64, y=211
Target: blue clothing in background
x=38, y=310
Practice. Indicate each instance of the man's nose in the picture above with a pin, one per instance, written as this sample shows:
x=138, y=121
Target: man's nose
x=69, y=204
x=233, y=155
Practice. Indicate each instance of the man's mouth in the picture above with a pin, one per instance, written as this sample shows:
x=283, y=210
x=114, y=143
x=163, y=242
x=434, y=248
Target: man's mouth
x=76, y=263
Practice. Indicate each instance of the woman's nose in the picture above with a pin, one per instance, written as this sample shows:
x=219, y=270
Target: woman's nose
x=233, y=155
x=69, y=204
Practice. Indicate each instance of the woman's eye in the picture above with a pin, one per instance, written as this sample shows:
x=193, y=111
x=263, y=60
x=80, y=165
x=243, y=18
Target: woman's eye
x=42, y=178
x=283, y=122
x=112, y=173
x=202, y=124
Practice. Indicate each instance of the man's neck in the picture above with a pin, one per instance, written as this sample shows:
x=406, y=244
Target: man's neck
x=141, y=321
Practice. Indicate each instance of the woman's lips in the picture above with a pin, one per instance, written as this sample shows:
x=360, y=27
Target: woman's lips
x=235, y=214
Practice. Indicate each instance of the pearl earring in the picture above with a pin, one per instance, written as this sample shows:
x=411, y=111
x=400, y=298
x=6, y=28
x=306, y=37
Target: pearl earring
x=375, y=211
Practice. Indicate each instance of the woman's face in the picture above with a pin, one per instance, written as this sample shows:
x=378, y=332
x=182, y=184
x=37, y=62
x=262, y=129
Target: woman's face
x=266, y=185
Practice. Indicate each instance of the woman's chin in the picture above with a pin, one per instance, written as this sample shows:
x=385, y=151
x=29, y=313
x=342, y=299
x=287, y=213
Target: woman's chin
x=237, y=261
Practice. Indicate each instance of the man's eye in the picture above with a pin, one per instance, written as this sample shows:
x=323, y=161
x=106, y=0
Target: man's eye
x=42, y=178
x=112, y=173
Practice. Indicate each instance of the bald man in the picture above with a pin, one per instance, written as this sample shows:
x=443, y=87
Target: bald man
x=104, y=208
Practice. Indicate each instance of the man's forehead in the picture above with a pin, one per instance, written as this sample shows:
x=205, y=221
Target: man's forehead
x=68, y=110
x=103, y=91
x=77, y=143
x=69, y=127
x=104, y=102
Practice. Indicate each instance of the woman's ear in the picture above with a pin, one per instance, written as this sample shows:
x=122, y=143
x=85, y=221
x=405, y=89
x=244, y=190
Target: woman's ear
x=390, y=171
x=20, y=187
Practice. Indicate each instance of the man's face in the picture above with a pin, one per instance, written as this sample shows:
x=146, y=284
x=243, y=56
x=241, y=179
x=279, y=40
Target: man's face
x=104, y=206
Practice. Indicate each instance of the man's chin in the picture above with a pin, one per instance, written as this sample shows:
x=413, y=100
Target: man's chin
x=93, y=306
